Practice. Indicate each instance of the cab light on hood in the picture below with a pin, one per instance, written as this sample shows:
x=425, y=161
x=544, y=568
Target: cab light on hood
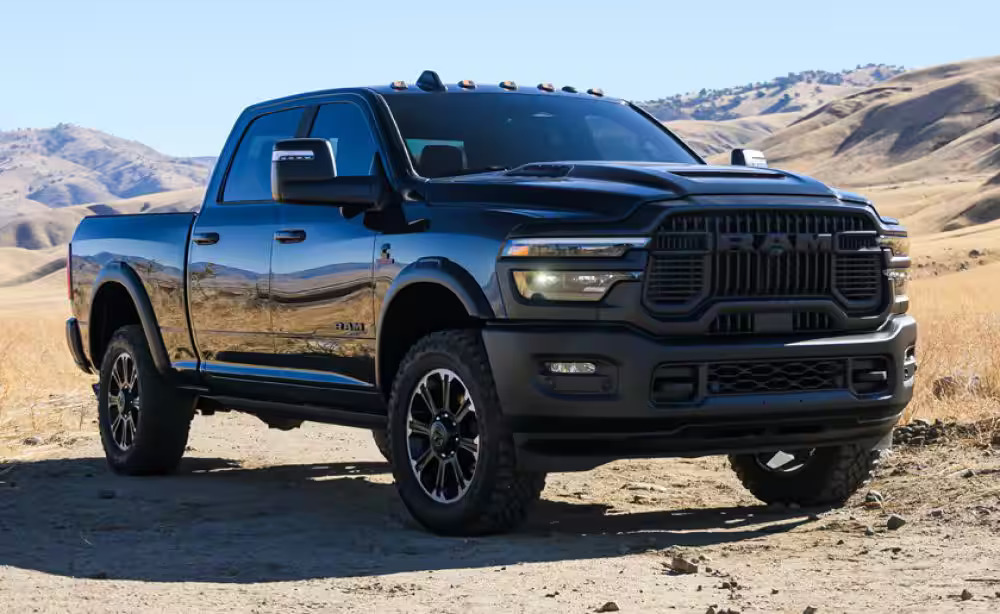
x=590, y=247
x=569, y=285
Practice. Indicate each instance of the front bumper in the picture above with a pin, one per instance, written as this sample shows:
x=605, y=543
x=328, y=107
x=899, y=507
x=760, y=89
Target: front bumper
x=75, y=343
x=565, y=423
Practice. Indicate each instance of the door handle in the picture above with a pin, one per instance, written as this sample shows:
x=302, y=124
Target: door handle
x=290, y=236
x=206, y=238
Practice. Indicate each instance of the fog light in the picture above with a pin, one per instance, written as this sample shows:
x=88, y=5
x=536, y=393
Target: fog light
x=571, y=368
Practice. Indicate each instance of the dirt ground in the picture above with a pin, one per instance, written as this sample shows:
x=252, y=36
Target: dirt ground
x=258, y=520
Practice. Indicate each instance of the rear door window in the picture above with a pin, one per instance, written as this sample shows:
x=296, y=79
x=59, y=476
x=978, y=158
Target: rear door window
x=249, y=176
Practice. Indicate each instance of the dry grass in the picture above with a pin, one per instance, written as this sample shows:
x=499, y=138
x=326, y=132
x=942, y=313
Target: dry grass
x=959, y=336
x=40, y=388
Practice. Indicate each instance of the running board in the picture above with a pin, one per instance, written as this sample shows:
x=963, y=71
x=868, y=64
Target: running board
x=312, y=413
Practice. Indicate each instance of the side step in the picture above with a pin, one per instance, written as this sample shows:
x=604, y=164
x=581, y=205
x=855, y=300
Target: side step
x=312, y=413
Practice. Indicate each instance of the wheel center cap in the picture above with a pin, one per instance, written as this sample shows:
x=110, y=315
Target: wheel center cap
x=121, y=400
x=442, y=436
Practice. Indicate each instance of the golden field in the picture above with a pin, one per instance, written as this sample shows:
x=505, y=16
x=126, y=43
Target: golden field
x=43, y=394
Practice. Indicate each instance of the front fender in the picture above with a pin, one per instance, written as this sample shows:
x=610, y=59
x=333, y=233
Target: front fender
x=123, y=275
x=443, y=272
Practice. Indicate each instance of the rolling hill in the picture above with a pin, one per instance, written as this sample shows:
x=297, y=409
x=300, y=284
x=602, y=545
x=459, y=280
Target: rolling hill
x=926, y=144
x=53, y=227
x=709, y=138
x=70, y=165
x=794, y=93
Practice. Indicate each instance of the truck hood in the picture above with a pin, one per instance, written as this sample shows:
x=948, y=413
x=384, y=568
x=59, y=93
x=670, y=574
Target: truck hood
x=614, y=189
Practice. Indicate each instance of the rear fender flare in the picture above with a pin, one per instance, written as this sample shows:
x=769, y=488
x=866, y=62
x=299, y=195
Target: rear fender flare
x=123, y=275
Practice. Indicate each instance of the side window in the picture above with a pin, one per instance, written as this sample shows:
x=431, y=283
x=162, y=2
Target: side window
x=250, y=173
x=347, y=129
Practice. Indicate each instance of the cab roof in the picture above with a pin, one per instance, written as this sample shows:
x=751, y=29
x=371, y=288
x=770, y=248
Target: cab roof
x=430, y=84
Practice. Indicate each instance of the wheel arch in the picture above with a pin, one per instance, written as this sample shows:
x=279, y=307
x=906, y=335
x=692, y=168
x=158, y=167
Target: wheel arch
x=431, y=294
x=119, y=299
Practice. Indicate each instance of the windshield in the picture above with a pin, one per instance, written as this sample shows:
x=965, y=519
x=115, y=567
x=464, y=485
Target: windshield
x=453, y=134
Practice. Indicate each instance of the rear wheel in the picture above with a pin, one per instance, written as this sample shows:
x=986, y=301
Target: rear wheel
x=143, y=420
x=454, y=460
x=811, y=477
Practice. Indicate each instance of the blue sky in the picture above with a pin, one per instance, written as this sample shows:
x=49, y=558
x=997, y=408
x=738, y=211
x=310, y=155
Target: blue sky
x=174, y=74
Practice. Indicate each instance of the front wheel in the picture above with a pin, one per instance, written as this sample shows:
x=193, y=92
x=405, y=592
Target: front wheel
x=809, y=477
x=453, y=457
x=144, y=421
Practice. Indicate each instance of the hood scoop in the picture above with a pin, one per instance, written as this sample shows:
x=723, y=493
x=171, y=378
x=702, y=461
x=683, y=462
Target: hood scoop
x=678, y=179
x=723, y=173
x=666, y=176
x=601, y=171
x=541, y=170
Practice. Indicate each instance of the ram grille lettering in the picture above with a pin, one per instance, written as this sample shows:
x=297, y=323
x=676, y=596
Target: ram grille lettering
x=774, y=242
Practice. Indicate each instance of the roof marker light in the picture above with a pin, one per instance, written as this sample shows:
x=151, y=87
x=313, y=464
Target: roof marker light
x=546, y=87
x=569, y=88
x=467, y=84
x=595, y=91
x=508, y=85
x=398, y=85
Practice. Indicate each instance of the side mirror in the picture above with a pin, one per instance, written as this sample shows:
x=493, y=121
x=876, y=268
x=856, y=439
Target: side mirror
x=304, y=172
x=748, y=157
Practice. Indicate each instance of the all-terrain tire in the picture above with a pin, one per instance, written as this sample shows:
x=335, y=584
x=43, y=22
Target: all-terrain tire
x=499, y=494
x=161, y=421
x=829, y=477
x=381, y=439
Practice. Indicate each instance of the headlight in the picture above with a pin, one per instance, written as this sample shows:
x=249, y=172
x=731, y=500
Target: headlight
x=898, y=245
x=591, y=247
x=899, y=278
x=569, y=285
x=899, y=269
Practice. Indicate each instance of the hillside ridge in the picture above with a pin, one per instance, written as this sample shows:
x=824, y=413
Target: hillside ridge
x=795, y=92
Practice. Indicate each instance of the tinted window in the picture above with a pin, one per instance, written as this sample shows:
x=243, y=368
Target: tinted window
x=250, y=174
x=345, y=126
x=504, y=130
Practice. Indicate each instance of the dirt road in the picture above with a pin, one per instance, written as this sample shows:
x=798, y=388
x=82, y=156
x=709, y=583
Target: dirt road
x=308, y=520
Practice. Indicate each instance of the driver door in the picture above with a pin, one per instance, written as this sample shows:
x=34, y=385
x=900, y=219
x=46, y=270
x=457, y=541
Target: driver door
x=322, y=287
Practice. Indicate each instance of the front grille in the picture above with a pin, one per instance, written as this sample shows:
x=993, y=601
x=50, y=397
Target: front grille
x=732, y=324
x=811, y=321
x=690, y=383
x=745, y=255
x=744, y=322
x=775, y=376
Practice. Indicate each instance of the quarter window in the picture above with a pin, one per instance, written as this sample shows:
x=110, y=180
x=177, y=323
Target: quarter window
x=249, y=176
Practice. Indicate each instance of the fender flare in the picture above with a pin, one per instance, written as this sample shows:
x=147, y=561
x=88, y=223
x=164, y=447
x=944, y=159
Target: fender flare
x=441, y=272
x=123, y=275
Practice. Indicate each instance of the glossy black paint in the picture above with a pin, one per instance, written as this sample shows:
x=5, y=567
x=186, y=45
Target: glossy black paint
x=281, y=304
x=75, y=343
x=145, y=256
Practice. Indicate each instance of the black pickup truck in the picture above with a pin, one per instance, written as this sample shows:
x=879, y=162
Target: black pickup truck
x=501, y=281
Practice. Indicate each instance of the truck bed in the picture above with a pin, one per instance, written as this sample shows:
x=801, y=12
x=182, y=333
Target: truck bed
x=154, y=247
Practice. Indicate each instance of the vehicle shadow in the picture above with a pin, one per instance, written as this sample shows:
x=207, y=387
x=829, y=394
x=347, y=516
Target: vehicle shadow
x=217, y=521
